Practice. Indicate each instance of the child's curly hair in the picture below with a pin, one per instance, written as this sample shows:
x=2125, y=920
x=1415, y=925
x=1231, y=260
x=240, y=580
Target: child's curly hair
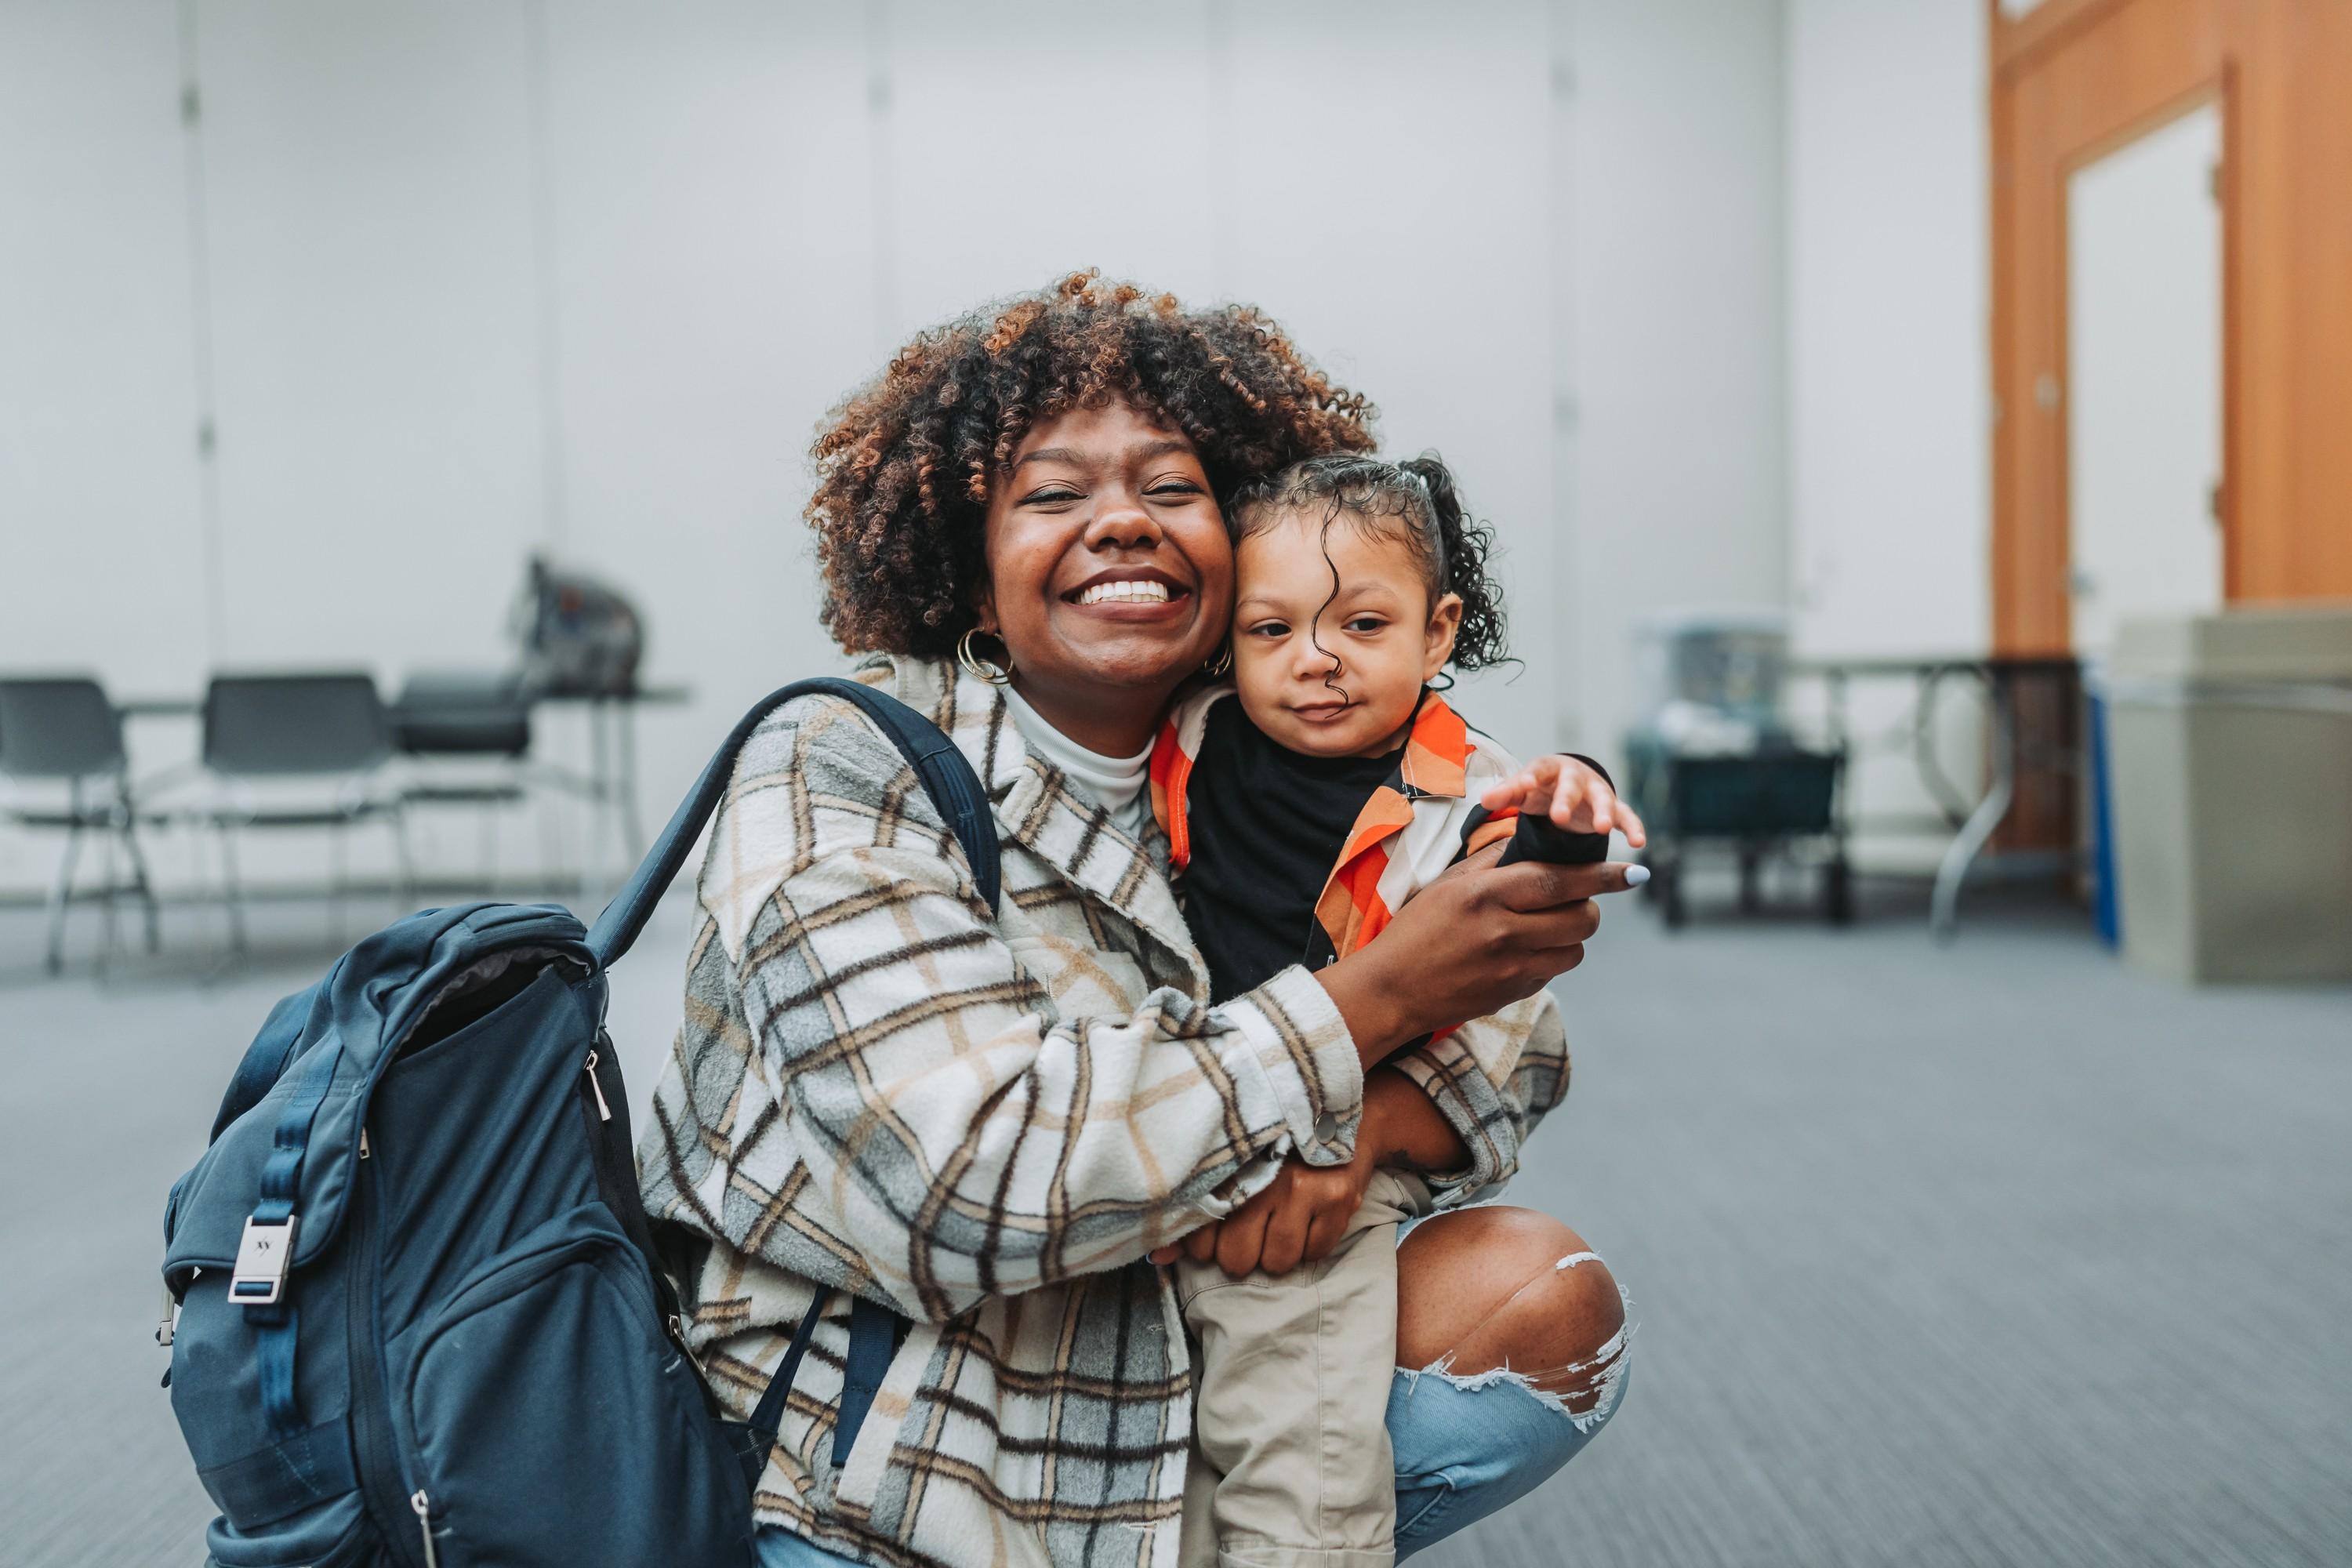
x=904, y=464
x=1416, y=499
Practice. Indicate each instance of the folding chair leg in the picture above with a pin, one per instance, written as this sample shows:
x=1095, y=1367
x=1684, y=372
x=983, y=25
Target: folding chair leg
x=335, y=881
x=550, y=837
x=232, y=894
x=146, y=888
x=404, y=863
x=60, y=897
x=113, y=924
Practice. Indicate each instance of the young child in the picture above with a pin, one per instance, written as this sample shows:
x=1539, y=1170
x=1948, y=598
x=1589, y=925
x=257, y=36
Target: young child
x=1299, y=817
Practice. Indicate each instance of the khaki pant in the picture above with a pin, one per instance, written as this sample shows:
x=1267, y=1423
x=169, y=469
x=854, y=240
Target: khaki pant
x=1291, y=1467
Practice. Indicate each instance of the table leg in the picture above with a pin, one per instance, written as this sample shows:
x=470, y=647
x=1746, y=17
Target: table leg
x=1978, y=830
x=1841, y=802
x=633, y=827
x=139, y=872
x=599, y=791
x=106, y=953
x=1925, y=751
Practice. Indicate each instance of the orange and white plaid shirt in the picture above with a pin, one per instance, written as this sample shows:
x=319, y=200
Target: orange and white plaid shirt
x=1424, y=817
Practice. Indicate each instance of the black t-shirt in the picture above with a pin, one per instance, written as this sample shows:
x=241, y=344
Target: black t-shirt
x=1267, y=825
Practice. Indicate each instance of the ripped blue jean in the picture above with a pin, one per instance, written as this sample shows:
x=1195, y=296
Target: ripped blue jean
x=1468, y=1445
x=1465, y=1447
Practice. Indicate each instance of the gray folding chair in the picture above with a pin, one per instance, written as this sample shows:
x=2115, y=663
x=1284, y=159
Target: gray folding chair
x=64, y=730
x=469, y=732
x=329, y=728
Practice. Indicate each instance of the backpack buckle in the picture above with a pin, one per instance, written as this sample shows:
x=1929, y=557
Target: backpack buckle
x=263, y=1256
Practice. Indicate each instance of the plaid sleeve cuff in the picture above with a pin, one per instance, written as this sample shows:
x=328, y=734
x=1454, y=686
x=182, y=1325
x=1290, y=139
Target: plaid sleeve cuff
x=1479, y=1114
x=1295, y=1046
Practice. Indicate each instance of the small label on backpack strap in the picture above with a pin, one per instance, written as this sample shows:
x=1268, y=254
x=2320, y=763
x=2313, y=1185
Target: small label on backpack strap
x=263, y=1256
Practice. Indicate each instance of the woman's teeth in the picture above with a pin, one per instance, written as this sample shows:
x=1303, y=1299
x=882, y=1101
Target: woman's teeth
x=1136, y=593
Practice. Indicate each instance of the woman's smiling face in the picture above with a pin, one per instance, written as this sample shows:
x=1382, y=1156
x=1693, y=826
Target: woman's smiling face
x=1111, y=573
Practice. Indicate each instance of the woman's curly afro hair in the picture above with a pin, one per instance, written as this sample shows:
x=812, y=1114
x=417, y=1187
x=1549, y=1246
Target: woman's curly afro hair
x=904, y=464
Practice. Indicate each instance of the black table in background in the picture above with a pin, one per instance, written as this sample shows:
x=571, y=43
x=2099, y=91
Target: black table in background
x=1974, y=819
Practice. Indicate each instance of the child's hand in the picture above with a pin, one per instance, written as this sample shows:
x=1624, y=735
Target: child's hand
x=1573, y=794
x=1304, y=1212
x=1296, y=1218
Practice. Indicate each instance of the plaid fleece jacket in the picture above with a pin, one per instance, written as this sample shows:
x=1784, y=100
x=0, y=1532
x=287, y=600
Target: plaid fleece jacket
x=986, y=1123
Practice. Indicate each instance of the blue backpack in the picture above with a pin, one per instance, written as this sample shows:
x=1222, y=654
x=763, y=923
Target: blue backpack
x=416, y=1312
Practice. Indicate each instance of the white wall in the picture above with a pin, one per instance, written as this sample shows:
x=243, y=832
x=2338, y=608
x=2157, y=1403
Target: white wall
x=1676, y=395
x=368, y=235
x=1889, y=392
x=102, y=548
x=712, y=269
x=481, y=276
x=102, y=539
x=1416, y=263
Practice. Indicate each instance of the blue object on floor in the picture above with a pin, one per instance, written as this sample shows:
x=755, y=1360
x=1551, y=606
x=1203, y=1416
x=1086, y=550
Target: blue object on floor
x=2104, y=915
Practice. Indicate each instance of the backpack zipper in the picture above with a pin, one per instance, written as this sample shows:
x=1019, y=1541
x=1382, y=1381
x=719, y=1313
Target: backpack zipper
x=603, y=1112
x=423, y=1506
x=391, y=1467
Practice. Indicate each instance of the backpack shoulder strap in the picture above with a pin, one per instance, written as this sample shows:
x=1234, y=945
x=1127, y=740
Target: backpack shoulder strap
x=266, y=1059
x=946, y=776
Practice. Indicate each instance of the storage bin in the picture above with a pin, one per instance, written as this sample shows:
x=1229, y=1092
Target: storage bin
x=2229, y=774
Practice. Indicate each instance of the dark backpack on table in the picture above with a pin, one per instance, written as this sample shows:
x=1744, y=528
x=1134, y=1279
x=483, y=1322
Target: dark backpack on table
x=416, y=1314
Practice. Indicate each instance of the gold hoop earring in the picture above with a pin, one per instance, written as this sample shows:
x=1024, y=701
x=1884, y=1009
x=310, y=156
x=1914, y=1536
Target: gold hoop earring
x=1221, y=664
x=979, y=669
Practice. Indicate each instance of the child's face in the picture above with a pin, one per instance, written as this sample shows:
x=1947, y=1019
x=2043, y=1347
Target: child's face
x=1379, y=638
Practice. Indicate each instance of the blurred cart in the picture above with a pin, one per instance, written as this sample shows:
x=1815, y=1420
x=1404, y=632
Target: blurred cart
x=1714, y=766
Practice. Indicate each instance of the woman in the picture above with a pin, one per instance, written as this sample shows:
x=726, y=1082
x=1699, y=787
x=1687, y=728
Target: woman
x=992, y=1122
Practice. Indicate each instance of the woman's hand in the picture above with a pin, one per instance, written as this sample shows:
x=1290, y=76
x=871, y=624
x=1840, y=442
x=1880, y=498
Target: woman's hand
x=1570, y=792
x=1469, y=945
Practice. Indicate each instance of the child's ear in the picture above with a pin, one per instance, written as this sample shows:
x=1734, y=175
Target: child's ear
x=1445, y=626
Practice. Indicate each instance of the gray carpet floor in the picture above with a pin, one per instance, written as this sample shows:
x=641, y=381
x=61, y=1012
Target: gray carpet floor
x=1992, y=1254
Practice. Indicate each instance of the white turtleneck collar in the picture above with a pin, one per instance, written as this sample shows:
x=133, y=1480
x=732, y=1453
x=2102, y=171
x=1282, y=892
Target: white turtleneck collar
x=1114, y=783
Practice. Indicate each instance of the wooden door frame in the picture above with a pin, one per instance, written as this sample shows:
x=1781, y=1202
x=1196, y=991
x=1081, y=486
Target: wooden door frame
x=2071, y=82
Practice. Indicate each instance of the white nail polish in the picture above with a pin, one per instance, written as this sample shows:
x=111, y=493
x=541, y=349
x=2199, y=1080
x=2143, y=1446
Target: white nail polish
x=1637, y=875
